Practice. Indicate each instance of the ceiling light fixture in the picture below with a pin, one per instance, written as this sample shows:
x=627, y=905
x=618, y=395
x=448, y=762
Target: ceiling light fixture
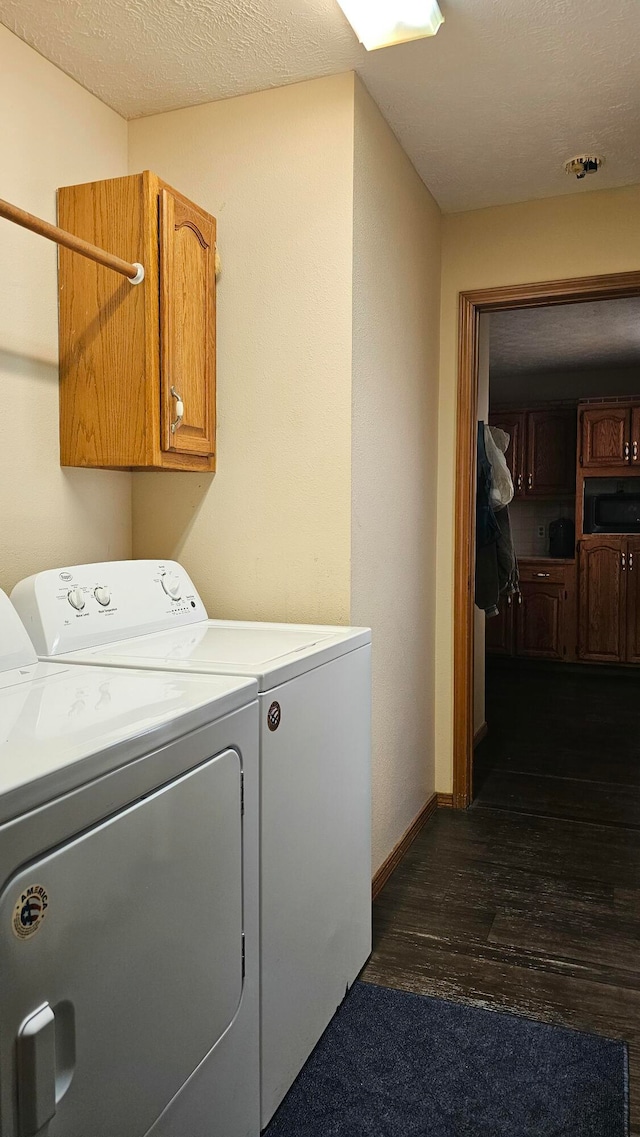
x=584, y=164
x=381, y=23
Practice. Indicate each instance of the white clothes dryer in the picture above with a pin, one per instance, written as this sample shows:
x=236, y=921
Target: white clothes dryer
x=315, y=770
x=128, y=900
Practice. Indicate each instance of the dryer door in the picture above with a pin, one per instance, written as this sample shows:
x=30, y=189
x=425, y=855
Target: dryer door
x=121, y=961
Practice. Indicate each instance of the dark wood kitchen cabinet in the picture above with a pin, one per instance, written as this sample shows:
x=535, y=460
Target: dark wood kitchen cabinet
x=542, y=450
x=605, y=436
x=610, y=436
x=498, y=636
x=540, y=620
x=514, y=423
x=634, y=449
x=602, y=611
x=633, y=600
x=551, y=453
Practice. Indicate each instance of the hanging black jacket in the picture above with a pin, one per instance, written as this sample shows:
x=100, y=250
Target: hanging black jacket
x=496, y=564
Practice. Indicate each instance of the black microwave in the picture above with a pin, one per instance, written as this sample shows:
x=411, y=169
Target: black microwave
x=612, y=513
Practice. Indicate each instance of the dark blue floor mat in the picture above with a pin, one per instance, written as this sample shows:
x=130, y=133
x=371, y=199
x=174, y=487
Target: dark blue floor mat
x=393, y=1064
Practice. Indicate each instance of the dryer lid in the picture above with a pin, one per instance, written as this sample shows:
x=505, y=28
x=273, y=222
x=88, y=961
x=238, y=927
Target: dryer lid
x=65, y=725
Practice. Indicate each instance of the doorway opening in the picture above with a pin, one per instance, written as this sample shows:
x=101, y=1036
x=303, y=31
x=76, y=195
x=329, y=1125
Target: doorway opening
x=552, y=474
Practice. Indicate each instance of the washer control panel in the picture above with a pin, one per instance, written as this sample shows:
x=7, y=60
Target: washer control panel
x=70, y=609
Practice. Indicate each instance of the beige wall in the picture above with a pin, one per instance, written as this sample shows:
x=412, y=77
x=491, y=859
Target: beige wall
x=52, y=133
x=533, y=241
x=326, y=235
x=268, y=535
x=396, y=285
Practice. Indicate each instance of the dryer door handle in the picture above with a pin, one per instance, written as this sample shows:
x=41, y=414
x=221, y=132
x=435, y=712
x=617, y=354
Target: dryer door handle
x=36, y=1071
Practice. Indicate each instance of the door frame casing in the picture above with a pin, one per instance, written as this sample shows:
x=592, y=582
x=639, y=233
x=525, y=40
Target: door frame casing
x=471, y=306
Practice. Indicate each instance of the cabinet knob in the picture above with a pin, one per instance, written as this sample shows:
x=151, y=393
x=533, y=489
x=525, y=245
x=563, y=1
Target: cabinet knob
x=179, y=410
x=542, y=574
x=626, y=451
x=530, y=481
x=623, y=561
x=519, y=482
x=630, y=562
x=635, y=452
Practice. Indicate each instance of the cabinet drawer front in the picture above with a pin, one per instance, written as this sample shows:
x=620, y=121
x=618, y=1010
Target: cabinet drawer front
x=543, y=571
x=188, y=343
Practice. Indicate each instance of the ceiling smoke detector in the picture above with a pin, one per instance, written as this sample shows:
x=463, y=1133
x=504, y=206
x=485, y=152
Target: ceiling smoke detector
x=584, y=164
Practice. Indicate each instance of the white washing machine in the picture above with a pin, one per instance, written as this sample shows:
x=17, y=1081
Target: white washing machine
x=315, y=770
x=128, y=900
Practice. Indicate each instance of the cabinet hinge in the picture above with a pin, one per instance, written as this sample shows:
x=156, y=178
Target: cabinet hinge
x=243, y=957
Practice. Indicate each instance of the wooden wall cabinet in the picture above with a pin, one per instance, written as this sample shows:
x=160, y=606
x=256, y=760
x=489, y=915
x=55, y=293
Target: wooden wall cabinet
x=542, y=452
x=610, y=436
x=609, y=604
x=514, y=423
x=133, y=356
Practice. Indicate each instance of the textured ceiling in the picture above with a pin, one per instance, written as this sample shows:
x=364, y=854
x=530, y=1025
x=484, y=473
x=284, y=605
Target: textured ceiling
x=602, y=335
x=488, y=110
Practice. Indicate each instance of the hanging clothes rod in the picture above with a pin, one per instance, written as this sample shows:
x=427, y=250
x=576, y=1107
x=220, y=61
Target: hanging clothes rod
x=134, y=272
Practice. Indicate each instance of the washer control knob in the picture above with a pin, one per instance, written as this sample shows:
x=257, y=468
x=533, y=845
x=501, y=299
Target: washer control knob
x=171, y=585
x=75, y=596
x=103, y=596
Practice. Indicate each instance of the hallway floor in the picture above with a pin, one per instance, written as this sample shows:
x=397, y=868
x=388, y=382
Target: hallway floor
x=530, y=901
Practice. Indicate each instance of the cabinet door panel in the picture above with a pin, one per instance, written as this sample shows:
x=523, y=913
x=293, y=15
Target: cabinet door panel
x=633, y=600
x=513, y=422
x=605, y=436
x=602, y=599
x=187, y=291
x=551, y=453
x=635, y=436
x=498, y=636
x=540, y=621
x=104, y=354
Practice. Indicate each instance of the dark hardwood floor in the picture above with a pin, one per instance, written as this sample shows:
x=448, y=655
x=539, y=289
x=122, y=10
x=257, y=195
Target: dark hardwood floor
x=530, y=901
